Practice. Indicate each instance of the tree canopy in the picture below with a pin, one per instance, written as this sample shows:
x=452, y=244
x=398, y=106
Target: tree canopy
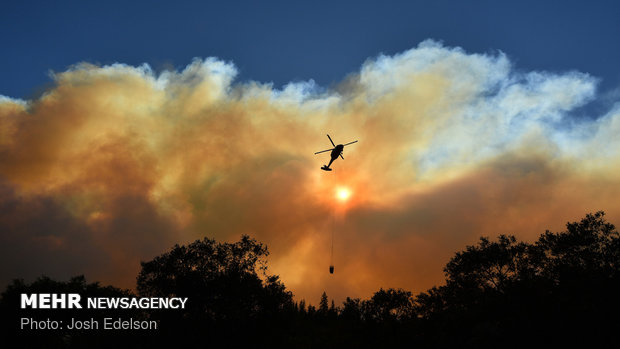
x=561, y=289
x=227, y=286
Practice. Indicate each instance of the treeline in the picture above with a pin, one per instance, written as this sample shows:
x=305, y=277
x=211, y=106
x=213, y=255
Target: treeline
x=562, y=289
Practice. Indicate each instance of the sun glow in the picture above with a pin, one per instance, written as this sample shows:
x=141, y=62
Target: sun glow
x=343, y=194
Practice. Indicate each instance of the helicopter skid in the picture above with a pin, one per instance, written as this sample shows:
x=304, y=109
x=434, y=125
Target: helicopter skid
x=325, y=168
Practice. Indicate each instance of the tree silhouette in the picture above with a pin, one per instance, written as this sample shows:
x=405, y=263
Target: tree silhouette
x=323, y=304
x=559, y=290
x=389, y=305
x=489, y=266
x=565, y=283
x=591, y=246
x=352, y=310
x=227, y=286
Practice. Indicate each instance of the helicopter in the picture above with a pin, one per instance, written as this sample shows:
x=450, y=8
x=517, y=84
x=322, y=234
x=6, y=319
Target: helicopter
x=336, y=151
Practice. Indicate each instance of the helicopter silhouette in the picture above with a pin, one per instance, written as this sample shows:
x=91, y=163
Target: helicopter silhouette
x=336, y=152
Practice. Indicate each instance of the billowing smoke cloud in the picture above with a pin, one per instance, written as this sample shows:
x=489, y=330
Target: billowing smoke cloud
x=115, y=164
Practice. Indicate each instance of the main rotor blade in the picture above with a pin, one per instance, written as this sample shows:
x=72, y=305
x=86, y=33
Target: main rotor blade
x=344, y=145
x=330, y=139
x=323, y=151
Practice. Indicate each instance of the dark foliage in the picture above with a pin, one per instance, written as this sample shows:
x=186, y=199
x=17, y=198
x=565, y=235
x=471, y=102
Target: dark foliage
x=559, y=290
x=231, y=298
x=562, y=289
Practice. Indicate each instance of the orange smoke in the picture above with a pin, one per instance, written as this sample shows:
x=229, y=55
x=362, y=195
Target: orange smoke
x=115, y=164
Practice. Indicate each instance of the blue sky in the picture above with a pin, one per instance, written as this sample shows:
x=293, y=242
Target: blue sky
x=282, y=41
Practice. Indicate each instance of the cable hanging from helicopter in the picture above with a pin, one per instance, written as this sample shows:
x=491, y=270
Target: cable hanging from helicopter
x=336, y=151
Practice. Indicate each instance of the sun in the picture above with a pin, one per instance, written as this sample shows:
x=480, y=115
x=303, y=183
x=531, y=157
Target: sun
x=343, y=194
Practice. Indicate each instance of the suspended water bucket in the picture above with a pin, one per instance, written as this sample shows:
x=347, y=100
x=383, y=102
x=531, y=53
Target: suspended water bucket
x=331, y=269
